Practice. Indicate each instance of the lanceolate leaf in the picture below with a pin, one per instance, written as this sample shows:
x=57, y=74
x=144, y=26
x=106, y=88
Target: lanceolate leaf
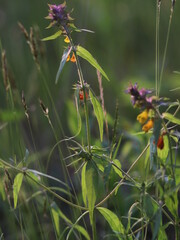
x=52, y=37
x=83, y=184
x=55, y=216
x=91, y=186
x=113, y=221
x=117, y=169
x=171, y=118
x=16, y=187
x=63, y=61
x=98, y=113
x=82, y=52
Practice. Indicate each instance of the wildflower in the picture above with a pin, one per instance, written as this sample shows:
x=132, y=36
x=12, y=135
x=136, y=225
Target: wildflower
x=58, y=15
x=73, y=58
x=81, y=95
x=142, y=117
x=160, y=143
x=139, y=97
x=148, y=125
x=68, y=58
x=66, y=40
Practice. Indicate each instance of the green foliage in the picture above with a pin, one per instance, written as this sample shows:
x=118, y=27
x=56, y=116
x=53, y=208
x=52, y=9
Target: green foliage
x=16, y=187
x=171, y=118
x=83, y=53
x=98, y=113
x=54, y=36
x=91, y=176
x=113, y=221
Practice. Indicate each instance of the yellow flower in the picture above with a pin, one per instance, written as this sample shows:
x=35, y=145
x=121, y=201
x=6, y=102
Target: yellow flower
x=148, y=125
x=142, y=117
x=68, y=58
x=66, y=40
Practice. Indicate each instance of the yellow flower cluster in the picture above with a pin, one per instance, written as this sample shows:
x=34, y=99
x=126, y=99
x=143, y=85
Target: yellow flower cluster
x=142, y=118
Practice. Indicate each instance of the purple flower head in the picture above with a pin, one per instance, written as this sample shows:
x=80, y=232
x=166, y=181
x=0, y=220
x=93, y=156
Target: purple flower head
x=58, y=14
x=139, y=97
x=133, y=90
x=143, y=92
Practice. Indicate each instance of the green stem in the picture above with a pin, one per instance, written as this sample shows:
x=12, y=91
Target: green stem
x=119, y=184
x=94, y=228
x=165, y=50
x=25, y=172
x=81, y=79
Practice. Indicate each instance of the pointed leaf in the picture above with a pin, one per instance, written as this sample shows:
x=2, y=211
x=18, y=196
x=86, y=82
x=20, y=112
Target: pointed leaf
x=83, y=184
x=91, y=186
x=98, y=113
x=16, y=187
x=52, y=37
x=55, y=216
x=113, y=221
x=117, y=169
x=82, y=52
x=171, y=118
x=63, y=61
x=82, y=231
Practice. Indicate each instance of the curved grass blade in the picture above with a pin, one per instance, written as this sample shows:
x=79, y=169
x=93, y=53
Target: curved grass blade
x=98, y=111
x=63, y=61
x=52, y=37
x=82, y=52
x=48, y=176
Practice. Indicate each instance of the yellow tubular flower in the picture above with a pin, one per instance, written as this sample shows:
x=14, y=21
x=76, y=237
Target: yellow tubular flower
x=68, y=58
x=142, y=117
x=66, y=40
x=148, y=125
x=73, y=58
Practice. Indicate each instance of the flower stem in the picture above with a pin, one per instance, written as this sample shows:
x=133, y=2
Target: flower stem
x=81, y=79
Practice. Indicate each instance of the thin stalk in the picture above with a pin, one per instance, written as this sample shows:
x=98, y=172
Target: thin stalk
x=119, y=184
x=25, y=172
x=165, y=50
x=81, y=79
x=157, y=46
x=94, y=228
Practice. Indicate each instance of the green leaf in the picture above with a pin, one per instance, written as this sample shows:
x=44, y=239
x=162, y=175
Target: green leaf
x=91, y=186
x=172, y=204
x=171, y=118
x=156, y=224
x=52, y=37
x=149, y=207
x=117, y=170
x=98, y=113
x=83, y=184
x=55, y=216
x=82, y=231
x=113, y=221
x=63, y=61
x=163, y=153
x=35, y=172
x=16, y=187
x=11, y=115
x=60, y=213
x=82, y=52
